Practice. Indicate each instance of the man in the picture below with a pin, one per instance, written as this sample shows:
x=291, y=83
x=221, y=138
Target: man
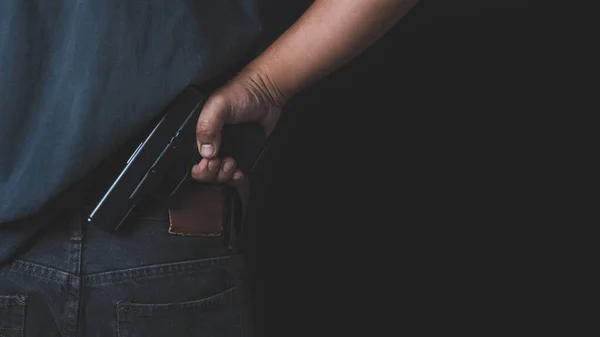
x=77, y=80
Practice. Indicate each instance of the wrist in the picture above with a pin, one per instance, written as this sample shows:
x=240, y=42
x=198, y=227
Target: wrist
x=264, y=87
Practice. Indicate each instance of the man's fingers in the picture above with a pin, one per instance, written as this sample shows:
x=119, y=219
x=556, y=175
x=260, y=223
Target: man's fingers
x=207, y=170
x=227, y=170
x=213, y=116
x=217, y=171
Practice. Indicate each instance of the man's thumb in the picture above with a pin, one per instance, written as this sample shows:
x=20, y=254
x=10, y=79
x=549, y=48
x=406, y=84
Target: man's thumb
x=208, y=130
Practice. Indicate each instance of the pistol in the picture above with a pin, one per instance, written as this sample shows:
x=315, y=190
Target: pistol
x=163, y=160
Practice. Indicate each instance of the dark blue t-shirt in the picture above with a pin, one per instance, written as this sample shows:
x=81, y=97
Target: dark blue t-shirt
x=78, y=78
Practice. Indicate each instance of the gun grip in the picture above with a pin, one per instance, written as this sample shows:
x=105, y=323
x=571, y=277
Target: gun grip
x=242, y=142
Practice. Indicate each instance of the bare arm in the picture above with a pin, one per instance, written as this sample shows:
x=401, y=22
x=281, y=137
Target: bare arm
x=330, y=33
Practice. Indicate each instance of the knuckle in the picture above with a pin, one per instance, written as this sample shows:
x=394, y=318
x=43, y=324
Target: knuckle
x=217, y=102
x=199, y=175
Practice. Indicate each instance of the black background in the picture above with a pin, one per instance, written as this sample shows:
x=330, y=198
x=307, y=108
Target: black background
x=379, y=174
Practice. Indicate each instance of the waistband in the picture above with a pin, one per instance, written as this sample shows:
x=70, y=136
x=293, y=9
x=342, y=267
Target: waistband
x=145, y=241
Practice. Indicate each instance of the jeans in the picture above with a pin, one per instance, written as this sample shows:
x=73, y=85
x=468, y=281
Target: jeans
x=75, y=279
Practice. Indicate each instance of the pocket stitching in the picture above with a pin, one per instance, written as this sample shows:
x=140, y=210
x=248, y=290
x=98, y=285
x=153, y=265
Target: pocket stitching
x=125, y=311
x=19, y=302
x=146, y=309
x=12, y=300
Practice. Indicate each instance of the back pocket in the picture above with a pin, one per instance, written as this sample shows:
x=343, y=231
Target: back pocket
x=215, y=316
x=12, y=316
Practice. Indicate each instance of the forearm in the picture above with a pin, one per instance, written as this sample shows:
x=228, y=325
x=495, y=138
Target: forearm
x=330, y=33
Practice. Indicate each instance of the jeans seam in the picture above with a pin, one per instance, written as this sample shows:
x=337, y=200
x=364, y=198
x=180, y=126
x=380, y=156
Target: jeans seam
x=158, y=270
x=227, y=296
x=29, y=268
x=74, y=280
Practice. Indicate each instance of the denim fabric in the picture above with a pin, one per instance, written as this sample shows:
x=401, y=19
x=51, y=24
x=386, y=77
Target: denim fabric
x=78, y=78
x=77, y=280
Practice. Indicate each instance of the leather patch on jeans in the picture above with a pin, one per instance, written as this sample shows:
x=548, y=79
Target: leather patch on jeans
x=196, y=210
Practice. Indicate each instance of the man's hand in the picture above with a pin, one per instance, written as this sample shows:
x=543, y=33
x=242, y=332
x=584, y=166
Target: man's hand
x=328, y=35
x=248, y=98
